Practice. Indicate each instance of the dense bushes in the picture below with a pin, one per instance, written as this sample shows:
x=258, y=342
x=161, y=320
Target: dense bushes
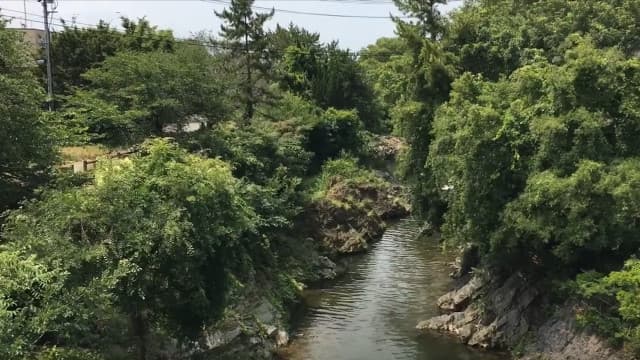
x=130, y=96
x=26, y=147
x=521, y=153
x=255, y=152
x=156, y=236
x=612, y=307
x=522, y=121
x=142, y=255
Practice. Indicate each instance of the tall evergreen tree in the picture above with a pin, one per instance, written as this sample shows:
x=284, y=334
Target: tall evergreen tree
x=428, y=87
x=429, y=19
x=245, y=38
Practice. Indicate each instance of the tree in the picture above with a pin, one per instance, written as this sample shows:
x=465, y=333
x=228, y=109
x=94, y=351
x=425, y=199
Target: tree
x=132, y=95
x=542, y=166
x=281, y=38
x=76, y=50
x=331, y=78
x=495, y=38
x=612, y=304
x=161, y=231
x=431, y=71
x=430, y=21
x=37, y=309
x=386, y=65
x=26, y=148
x=244, y=36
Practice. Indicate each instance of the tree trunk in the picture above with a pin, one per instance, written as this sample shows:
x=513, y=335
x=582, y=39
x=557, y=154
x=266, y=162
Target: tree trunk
x=140, y=325
x=248, y=113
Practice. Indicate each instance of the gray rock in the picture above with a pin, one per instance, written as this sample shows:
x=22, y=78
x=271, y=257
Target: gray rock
x=326, y=268
x=466, y=261
x=271, y=330
x=282, y=338
x=221, y=338
x=265, y=312
x=507, y=313
x=558, y=338
x=459, y=299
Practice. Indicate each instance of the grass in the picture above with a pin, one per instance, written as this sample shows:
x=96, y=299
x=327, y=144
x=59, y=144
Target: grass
x=86, y=152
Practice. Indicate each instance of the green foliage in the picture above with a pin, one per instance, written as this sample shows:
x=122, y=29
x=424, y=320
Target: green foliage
x=496, y=37
x=26, y=148
x=246, y=41
x=387, y=67
x=429, y=20
x=532, y=162
x=133, y=95
x=343, y=170
x=331, y=78
x=323, y=134
x=160, y=233
x=337, y=132
x=282, y=38
x=76, y=50
x=256, y=152
x=67, y=354
x=612, y=306
x=26, y=291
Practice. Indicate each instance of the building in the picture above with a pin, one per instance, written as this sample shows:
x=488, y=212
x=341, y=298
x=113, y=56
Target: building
x=34, y=38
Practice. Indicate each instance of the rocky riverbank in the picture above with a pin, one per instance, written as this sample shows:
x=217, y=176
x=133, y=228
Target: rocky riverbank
x=514, y=313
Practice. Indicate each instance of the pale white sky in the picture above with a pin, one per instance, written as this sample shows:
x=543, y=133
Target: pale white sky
x=185, y=17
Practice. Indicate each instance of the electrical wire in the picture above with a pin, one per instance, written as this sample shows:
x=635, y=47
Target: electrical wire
x=388, y=17
x=207, y=44
x=41, y=16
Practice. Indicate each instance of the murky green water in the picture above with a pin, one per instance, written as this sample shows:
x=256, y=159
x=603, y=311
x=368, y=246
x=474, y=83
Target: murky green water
x=371, y=313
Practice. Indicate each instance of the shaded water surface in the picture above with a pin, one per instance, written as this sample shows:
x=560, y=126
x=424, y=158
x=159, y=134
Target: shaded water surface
x=371, y=313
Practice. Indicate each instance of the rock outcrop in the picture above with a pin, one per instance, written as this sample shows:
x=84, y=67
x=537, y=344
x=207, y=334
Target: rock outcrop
x=249, y=331
x=558, y=338
x=351, y=216
x=508, y=314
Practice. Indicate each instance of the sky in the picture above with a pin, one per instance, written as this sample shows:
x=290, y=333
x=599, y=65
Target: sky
x=186, y=17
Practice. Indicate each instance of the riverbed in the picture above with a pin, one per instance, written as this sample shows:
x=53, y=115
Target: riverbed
x=371, y=312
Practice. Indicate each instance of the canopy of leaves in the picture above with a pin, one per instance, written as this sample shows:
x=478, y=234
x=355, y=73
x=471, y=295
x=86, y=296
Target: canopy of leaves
x=161, y=231
x=613, y=308
x=132, y=95
x=496, y=37
x=26, y=148
x=76, y=50
x=331, y=77
x=533, y=159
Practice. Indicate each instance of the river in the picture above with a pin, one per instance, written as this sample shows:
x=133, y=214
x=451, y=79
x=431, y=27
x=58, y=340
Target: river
x=371, y=312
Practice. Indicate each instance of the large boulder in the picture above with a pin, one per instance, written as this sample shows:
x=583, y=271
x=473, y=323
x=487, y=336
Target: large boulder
x=251, y=330
x=559, y=338
x=459, y=299
x=503, y=314
x=350, y=215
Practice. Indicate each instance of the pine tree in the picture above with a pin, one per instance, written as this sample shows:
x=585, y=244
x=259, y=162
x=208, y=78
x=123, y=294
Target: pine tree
x=245, y=38
x=429, y=87
x=429, y=19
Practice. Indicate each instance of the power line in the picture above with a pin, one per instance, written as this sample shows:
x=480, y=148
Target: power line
x=388, y=17
x=186, y=41
x=40, y=16
x=11, y=17
x=206, y=44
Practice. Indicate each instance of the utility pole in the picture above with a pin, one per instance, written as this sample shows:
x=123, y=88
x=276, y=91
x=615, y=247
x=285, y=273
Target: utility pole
x=26, y=19
x=47, y=53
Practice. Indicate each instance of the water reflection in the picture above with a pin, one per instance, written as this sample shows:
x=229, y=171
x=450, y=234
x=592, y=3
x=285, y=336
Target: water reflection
x=371, y=313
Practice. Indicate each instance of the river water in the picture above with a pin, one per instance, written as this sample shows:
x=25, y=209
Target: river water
x=371, y=312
